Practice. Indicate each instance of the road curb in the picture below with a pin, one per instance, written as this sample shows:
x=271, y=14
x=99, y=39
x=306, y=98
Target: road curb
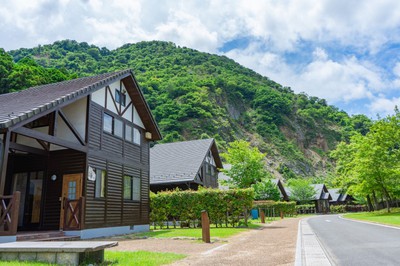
x=298, y=258
x=365, y=222
x=309, y=250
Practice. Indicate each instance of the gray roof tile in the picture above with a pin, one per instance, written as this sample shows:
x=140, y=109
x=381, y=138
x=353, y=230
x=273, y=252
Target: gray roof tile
x=18, y=106
x=178, y=161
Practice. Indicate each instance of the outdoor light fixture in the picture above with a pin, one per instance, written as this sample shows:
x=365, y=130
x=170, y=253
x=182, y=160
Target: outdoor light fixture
x=53, y=177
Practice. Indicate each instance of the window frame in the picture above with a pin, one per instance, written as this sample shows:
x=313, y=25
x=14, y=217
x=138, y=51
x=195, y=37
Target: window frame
x=136, y=130
x=100, y=192
x=138, y=194
x=120, y=97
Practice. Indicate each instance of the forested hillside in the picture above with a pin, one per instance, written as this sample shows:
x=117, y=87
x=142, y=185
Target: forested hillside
x=199, y=95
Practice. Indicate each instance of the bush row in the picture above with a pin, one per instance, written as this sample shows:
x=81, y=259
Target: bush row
x=305, y=208
x=288, y=208
x=223, y=207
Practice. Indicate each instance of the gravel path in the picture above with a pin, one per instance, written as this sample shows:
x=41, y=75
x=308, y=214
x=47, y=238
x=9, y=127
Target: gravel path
x=274, y=244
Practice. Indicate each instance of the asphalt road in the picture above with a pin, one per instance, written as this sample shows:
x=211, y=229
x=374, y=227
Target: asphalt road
x=353, y=243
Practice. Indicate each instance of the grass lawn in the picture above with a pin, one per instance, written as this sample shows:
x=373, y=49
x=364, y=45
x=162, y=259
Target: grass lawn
x=382, y=216
x=137, y=258
x=220, y=232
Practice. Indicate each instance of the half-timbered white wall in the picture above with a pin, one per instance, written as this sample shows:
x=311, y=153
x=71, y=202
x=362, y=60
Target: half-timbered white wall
x=30, y=141
x=76, y=114
x=103, y=98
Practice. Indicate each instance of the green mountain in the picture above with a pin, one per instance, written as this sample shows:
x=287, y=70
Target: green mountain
x=200, y=95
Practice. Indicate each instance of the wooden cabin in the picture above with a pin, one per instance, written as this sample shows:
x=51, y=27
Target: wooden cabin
x=321, y=198
x=339, y=197
x=184, y=165
x=282, y=191
x=75, y=154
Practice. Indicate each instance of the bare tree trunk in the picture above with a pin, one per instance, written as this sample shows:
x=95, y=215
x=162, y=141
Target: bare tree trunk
x=375, y=200
x=370, y=207
x=387, y=198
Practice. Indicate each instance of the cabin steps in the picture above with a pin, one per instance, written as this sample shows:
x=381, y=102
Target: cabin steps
x=46, y=236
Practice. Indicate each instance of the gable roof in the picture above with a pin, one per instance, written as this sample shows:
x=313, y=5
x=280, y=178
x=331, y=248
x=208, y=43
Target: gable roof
x=321, y=192
x=179, y=162
x=26, y=105
x=337, y=196
x=281, y=187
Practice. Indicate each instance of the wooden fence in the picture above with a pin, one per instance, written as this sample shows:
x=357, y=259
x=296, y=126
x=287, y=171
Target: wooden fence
x=9, y=209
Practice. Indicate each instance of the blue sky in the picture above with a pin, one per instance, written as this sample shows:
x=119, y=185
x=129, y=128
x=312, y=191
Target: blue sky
x=346, y=51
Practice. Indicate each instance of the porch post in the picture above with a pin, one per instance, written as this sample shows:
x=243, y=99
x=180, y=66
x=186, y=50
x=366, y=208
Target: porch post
x=4, y=160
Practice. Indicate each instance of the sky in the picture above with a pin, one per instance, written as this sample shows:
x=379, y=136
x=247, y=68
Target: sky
x=345, y=51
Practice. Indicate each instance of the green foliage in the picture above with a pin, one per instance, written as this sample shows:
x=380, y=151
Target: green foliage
x=338, y=208
x=370, y=164
x=266, y=190
x=223, y=207
x=305, y=208
x=247, y=165
x=288, y=208
x=301, y=190
x=192, y=93
x=26, y=73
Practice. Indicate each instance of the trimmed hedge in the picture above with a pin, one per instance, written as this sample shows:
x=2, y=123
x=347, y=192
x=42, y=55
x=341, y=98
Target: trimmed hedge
x=288, y=208
x=224, y=207
x=305, y=208
x=338, y=208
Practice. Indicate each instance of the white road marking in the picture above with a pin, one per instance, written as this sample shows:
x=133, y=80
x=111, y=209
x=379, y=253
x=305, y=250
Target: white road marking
x=364, y=222
x=328, y=221
x=214, y=249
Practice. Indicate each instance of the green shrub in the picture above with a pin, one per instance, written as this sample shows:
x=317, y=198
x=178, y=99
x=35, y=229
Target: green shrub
x=338, y=208
x=305, y=208
x=288, y=208
x=223, y=206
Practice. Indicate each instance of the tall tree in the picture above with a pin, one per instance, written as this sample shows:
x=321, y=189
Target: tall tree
x=247, y=165
x=370, y=164
x=266, y=190
x=301, y=190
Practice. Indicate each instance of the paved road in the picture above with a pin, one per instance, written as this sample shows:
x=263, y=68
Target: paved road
x=353, y=243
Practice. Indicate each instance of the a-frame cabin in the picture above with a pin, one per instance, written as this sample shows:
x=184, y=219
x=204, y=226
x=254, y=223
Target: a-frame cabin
x=78, y=153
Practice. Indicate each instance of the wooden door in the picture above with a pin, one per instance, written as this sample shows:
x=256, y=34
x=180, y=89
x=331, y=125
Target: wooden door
x=71, y=190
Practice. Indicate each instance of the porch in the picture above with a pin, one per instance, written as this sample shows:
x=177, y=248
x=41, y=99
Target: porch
x=72, y=219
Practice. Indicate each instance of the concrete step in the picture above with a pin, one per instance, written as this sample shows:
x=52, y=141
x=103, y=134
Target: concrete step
x=46, y=236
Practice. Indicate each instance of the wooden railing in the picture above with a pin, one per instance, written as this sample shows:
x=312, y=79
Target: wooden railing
x=73, y=214
x=9, y=209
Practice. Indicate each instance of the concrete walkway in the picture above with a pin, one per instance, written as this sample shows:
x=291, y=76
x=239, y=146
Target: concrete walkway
x=309, y=251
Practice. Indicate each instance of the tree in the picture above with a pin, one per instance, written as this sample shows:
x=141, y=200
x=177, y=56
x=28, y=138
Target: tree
x=266, y=190
x=247, y=165
x=370, y=165
x=301, y=190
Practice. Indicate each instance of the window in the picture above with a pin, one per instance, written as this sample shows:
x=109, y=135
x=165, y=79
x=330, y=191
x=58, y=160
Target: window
x=136, y=136
x=118, y=128
x=129, y=133
x=100, y=185
x=131, y=188
x=108, y=123
x=113, y=125
x=127, y=187
x=120, y=97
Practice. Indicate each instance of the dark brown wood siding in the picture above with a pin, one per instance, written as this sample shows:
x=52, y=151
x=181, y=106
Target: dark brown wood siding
x=119, y=158
x=60, y=163
x=95, y=209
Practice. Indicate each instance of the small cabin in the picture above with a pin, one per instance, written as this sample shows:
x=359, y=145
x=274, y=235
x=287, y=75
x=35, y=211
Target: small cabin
x=321, y=198
x=74, y=157
x=184, y=165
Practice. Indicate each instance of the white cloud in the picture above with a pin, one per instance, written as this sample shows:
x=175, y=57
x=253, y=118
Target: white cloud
x=384, y=106
x=273, y=27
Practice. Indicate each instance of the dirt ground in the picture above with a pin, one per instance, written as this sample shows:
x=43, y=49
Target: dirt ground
x=273, y=244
